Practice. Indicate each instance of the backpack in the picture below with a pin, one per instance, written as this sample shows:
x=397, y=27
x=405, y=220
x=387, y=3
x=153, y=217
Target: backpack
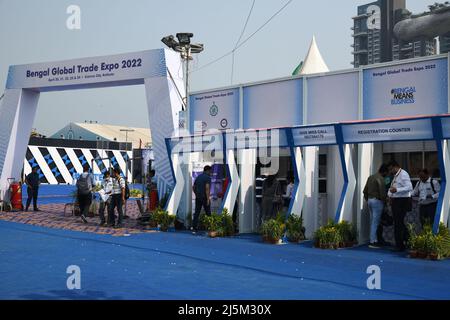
x=84, y=185
x=127, y=189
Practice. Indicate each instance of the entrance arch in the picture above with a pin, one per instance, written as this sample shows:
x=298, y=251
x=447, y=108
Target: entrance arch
x=156, y=69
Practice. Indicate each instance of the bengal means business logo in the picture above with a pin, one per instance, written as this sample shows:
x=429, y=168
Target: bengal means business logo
x=403, y=95
x=214, y=110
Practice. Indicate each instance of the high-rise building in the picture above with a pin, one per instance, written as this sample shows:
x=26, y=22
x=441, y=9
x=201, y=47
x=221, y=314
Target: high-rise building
x=374, y=39
x=444, y=42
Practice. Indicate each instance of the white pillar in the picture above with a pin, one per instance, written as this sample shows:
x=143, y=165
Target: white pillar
x=175, y=198
x=247, y=163
x=310, y=208
x=346, y=210
x=445, y=212
x=233, y=188
x=17, y=111
x=365, y=169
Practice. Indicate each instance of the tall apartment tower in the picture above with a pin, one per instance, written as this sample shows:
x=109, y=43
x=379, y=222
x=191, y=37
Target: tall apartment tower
x=374, y=39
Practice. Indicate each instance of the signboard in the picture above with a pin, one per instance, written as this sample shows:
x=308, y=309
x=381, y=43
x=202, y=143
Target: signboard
x=402, y=130
x=314, y=136
x=276, y=104
x=406, y=90
x=214, y=110
x=81, y=72
x=446, y=127
x=332, y=98
x=253, y=139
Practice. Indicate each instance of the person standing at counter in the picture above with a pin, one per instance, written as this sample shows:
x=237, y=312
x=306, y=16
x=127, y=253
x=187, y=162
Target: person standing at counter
x=400, y=198
x=375, y=195
x=202, y=190
x=427, y=189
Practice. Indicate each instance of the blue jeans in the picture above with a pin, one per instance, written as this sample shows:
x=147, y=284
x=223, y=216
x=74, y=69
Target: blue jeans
x=376, y=209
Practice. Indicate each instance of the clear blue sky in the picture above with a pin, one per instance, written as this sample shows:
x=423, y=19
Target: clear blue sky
x=35, y=31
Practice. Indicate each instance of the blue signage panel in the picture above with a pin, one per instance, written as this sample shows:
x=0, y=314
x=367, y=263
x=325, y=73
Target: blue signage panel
x=445, y=127
x=401, y=130
x=276, y=104
x=314, y=136
x=214, y=110
x=406, y=90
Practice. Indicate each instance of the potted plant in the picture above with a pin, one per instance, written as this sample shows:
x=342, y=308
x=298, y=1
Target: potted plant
x=412, y=241
x=227, y=228
x=213, y=224
x=421, y=246
x=294, y=228
x=164, y=219
x=272, y=231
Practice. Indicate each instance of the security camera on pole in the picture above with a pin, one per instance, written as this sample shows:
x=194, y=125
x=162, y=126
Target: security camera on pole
x=186, y=49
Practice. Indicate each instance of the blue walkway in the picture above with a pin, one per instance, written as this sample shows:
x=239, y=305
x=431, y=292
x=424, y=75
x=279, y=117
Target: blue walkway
x=33, y=262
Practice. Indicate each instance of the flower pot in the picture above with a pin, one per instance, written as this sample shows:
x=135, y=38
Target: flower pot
x=349, y=244
x=433, y=256
x=271, y=240
x=421, y=255
x=153, y=224
x=163, y=228
x=413, y=254
x=213, y=234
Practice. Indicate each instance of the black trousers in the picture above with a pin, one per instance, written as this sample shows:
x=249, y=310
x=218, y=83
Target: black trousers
x=400, y=207
x=84, y=202
x=116, y=202
x=199, y=204
x=427, y=213
x=32, y=195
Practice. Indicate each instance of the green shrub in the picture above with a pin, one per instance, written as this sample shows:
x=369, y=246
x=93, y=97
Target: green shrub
x=335, y=235
x=426, y=242
x=163, y=218
x=272, y=230
x=294, y=228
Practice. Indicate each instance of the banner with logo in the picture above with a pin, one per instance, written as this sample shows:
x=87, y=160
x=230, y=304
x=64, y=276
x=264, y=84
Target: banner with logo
x=406, y=90
x=333, y=98
x=88, y=71
x=401, y=130
x=214, y=110
x=275, y=104
x=314, y=136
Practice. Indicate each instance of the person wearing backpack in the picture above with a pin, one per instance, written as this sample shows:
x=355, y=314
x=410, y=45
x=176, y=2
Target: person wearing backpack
x=84, y=192
x=117, y=200
x=427, y=189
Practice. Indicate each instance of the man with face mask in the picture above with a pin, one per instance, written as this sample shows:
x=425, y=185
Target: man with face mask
x=400, y=198
x=427, y=189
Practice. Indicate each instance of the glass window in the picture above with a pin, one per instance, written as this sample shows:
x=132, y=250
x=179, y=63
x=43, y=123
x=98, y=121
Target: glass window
x=415, y=164
x=432, y=164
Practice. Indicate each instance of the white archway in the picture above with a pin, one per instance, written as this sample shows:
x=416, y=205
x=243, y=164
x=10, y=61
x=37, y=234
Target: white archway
x=157, y=70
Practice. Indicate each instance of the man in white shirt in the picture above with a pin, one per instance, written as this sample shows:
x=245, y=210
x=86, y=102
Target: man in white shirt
x=400, y=199
x=105, y=197
x=427, y=189
x=117, y=199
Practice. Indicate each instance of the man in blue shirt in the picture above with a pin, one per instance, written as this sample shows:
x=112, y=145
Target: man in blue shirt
x=33, y=182
x=202, y=186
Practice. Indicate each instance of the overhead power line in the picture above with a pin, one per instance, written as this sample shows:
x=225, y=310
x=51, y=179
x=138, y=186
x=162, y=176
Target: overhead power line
x=245, y=40
x=240, y=37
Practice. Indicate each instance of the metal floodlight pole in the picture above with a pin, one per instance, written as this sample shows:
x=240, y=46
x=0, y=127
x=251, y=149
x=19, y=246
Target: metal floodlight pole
x=126, y=162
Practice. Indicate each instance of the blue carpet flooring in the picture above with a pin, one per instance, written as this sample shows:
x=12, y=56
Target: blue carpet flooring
x=33, y=262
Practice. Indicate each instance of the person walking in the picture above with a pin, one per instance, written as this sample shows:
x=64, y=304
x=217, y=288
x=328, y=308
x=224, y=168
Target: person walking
x=375, y=195
x=427, y=189
x=117, y=200
x=269, y=201
x=202, y=187
x=105, y=197
x=32, y=181
x=400, y=199
x=84, y=185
